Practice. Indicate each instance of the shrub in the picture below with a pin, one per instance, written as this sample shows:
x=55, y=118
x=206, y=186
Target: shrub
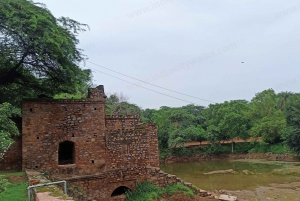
x=146, y=191
x=3, y=183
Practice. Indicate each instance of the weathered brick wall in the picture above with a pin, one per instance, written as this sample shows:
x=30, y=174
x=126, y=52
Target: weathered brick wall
x=115, y=122
x=46, y=123
x=12, y=159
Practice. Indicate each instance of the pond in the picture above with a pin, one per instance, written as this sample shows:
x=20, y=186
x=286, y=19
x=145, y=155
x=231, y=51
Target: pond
x=247, y=174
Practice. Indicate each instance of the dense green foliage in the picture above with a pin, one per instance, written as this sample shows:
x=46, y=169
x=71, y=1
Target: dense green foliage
x=7, y=126
x=148, y=192
x=38, y=53
x=273, y=117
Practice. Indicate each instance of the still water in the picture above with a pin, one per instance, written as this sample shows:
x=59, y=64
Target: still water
x=260, y=173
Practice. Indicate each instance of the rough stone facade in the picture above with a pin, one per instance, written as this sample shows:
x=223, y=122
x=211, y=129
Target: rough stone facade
x=74, y=140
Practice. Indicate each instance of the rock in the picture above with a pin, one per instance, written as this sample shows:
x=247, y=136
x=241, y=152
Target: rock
x=203, y=193
x=220, y=171
x=247, y=172
x=227, y=198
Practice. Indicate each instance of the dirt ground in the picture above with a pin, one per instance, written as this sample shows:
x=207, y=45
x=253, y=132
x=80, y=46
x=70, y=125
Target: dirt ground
x=280, y=192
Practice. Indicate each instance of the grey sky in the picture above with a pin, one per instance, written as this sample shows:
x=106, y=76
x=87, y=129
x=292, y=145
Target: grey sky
x=194, y=47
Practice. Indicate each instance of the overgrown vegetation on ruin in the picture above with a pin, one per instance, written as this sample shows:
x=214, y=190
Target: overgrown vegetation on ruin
x=148, y=192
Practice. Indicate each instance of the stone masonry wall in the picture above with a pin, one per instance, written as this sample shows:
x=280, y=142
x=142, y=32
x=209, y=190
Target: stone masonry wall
x=130, y=154
x=107, y=152
x=132, y=147
x=115, y=122
x=46, y=123
x=12, y=159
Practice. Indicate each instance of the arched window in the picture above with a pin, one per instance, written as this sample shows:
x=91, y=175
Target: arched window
x=120, y=191
x=66, y=153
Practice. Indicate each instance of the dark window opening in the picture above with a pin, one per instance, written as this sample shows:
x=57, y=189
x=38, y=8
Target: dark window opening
x=36, y=166
x=73, y=135
x=120, y=191
x=30, y=109
x=95, y=108
x=66, y=153
x=92, y=161
x=37, y=137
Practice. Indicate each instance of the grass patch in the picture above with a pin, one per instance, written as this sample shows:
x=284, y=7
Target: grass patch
x=17, y=189
x=146, y=191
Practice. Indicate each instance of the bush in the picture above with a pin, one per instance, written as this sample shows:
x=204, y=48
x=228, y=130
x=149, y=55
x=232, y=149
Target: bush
x=170, y=190
x=3, y=183
x=146, y=191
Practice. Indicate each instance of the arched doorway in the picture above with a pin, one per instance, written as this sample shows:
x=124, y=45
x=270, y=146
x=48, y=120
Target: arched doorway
x=120, y=191
x=66, y=153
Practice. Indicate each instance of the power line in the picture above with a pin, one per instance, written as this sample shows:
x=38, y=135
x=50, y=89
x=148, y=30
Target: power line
x=143, y=87
x=149, y=83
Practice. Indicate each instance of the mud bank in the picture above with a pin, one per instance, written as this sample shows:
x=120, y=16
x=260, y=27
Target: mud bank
x=206, y=157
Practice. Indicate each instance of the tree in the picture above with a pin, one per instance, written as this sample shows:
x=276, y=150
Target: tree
x=38, y=52
x=292, y=132
x=293, y=140
x=7, y=127
x=192, y=133
x=227, y=120
x=292, y=110
x=282, y=99
x=266, y=118
x=117, y=104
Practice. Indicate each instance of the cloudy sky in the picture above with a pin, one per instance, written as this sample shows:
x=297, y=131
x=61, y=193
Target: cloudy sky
x=212, y=50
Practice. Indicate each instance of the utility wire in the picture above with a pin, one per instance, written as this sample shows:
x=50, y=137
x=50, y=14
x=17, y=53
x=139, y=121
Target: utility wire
x=144, y=87
x=149, y=83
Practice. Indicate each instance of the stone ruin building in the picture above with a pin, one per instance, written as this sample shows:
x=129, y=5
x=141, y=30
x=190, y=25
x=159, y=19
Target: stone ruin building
x=74, y=140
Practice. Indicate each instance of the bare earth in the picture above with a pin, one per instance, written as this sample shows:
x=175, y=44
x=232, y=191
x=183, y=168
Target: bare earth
x=280, y=192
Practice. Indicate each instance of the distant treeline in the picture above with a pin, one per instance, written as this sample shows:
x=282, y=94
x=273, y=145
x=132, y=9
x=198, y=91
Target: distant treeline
x=273, y=117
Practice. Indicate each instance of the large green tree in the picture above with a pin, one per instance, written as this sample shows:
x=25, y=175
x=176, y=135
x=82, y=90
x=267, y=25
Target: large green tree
x=227, y=120
x=38, y=55
x=266, y=117
x=38, y=52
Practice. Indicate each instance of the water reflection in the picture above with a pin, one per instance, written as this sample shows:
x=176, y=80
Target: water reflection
x=256, y=173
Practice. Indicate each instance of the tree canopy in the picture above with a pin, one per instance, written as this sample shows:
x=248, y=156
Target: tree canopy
x=38, y=52
x=7, y=126
x=38, y=55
